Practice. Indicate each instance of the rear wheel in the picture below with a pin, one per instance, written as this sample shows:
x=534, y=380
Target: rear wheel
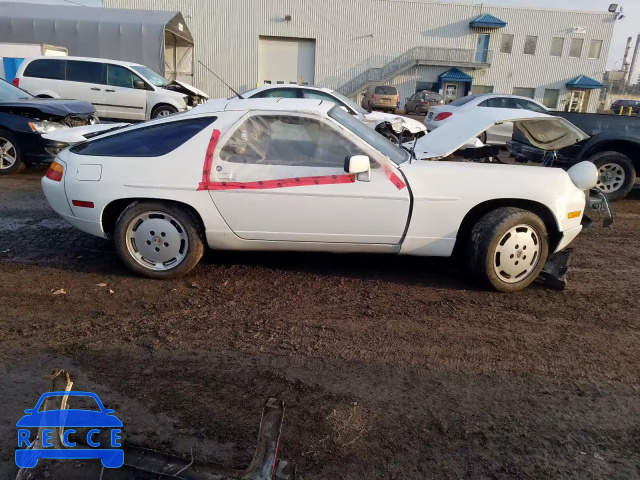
x=158, y=240
x=507, y=249
x=616, y=174
x=10, y=159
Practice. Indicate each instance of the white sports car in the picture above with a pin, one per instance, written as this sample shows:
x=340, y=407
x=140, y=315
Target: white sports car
x=280, y=174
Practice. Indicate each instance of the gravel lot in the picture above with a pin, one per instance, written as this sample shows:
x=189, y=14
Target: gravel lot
x=389, y=367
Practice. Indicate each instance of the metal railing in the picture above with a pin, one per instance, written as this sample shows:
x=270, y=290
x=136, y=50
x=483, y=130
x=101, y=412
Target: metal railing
x=420, y=56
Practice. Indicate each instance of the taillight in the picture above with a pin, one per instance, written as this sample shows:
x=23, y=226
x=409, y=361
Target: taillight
x=16, y=82
x=55, y=172
x=441, y=102
x=373, y=96
x=442, y=116
x=398, y=98
x=421, y=102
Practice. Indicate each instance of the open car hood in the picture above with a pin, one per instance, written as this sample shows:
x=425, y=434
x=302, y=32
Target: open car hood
x=80, y=134
x=543, y=131
x=189, y=88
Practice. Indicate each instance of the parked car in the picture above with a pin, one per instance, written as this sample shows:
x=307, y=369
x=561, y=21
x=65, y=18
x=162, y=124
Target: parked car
x=623, y=106
x=371, y=119
x=23, y=120
x=498, y=135
x=381, y=97
x=292, y=174
x=613, y=146
x=420, y=102
x=119, y=90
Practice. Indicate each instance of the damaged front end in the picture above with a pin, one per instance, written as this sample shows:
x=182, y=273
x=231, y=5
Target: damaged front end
x=195, y=96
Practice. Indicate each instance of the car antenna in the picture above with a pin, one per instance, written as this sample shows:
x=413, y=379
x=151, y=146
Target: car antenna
x=211, y=71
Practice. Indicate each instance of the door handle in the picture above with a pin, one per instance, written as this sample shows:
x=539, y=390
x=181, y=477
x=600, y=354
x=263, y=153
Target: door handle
x=109, y=90
x=226, y=176
x=96, y=89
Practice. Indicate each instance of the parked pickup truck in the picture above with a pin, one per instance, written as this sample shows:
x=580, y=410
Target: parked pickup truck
x=613, y=146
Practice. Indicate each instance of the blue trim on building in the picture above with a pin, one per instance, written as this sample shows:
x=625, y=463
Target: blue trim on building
x=584, y=82
x=455, y=75
x=487, y=21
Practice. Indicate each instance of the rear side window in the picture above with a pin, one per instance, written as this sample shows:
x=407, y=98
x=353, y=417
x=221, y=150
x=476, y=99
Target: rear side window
x=498, y=102
x=153, y=141
x=463, y=100
x=278, y=93
x=85, y=72
x=53, y=69
x=386, y=90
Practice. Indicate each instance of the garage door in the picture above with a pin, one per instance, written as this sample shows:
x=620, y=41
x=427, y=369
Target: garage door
x=286, y=60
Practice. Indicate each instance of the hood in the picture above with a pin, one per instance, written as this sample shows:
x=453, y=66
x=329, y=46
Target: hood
x=190, y=89
x=374, y=118
x=49, y=106
x=80, y=134
x=543, y=131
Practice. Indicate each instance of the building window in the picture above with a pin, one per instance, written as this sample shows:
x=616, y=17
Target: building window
x=557, y=45
x=524, y=92
x=595, y=48
x=576, y=47
x=428, y=86
x=506, y=43
x=480, y=89
x=530, y=44
x=551, y=96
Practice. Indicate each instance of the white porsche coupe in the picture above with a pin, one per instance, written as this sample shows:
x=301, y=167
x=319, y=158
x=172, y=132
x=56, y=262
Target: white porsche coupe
x=295, y=174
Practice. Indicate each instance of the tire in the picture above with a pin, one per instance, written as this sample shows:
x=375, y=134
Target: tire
x=163, y=111
x=10, y=156
x=174, y=235
x=616, y=174
x=500, y=232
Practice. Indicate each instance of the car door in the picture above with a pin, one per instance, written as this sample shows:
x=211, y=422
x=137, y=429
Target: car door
x=280, y=177
x=410, y=106
x=122, y=99
x=84, y=81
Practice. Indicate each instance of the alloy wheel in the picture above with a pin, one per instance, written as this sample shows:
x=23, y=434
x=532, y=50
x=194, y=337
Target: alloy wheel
x=8, y=154
x=517, y=254
x=611, y=177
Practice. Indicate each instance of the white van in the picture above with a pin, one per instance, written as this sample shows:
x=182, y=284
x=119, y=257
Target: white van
x=118, y=90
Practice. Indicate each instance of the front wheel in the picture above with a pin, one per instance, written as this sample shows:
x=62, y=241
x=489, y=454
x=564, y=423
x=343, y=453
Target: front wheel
x=616, y=174
x=163, y=111
x=507, y=249
x=158, y=240
x=10, y=159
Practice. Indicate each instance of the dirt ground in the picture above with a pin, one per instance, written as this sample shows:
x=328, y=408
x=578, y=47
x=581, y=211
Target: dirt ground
x=390, y=367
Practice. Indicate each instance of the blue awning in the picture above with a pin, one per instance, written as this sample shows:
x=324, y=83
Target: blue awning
x=487, y=21
x=454, y=75
x=584, y=82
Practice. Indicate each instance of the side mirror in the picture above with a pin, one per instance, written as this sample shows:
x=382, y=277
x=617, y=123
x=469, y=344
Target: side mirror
x=360, y=165
x=139, y=85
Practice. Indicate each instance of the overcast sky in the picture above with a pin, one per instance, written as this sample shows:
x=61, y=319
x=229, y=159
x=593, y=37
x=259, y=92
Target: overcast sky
x=628, y=27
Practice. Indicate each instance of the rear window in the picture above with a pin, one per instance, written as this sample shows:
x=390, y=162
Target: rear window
x=85, y=72
x=152, y=141
x=386, y=90
x=46, y=68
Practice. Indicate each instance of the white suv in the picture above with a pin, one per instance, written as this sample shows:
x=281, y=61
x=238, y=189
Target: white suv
x=118, y=90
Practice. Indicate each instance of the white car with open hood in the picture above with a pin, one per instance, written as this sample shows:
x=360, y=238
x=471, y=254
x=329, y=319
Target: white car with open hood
x=296, y=174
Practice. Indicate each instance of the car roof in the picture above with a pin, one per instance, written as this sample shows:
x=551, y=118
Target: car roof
x=262, y=88
x=85, y=59
x=277, y=104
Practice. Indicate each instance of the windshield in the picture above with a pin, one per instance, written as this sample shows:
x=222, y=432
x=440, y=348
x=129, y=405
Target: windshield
x=9, y=92
x=152, y=77
x=350, y=103
x=373, y=138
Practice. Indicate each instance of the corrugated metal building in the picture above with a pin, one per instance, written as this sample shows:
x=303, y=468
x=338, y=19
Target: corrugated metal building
x=414, y=44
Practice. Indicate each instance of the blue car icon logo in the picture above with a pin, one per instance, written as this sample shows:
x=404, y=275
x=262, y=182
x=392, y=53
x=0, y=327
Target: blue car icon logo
x=96, y=419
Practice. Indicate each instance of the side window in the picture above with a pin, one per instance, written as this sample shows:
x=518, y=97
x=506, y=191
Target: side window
x=288, y=140
x=152, y=141
x=120, y=77
x=53, y=69
x=278, y=93
x=527, y=105
x=85, y=72
x=315, y=95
